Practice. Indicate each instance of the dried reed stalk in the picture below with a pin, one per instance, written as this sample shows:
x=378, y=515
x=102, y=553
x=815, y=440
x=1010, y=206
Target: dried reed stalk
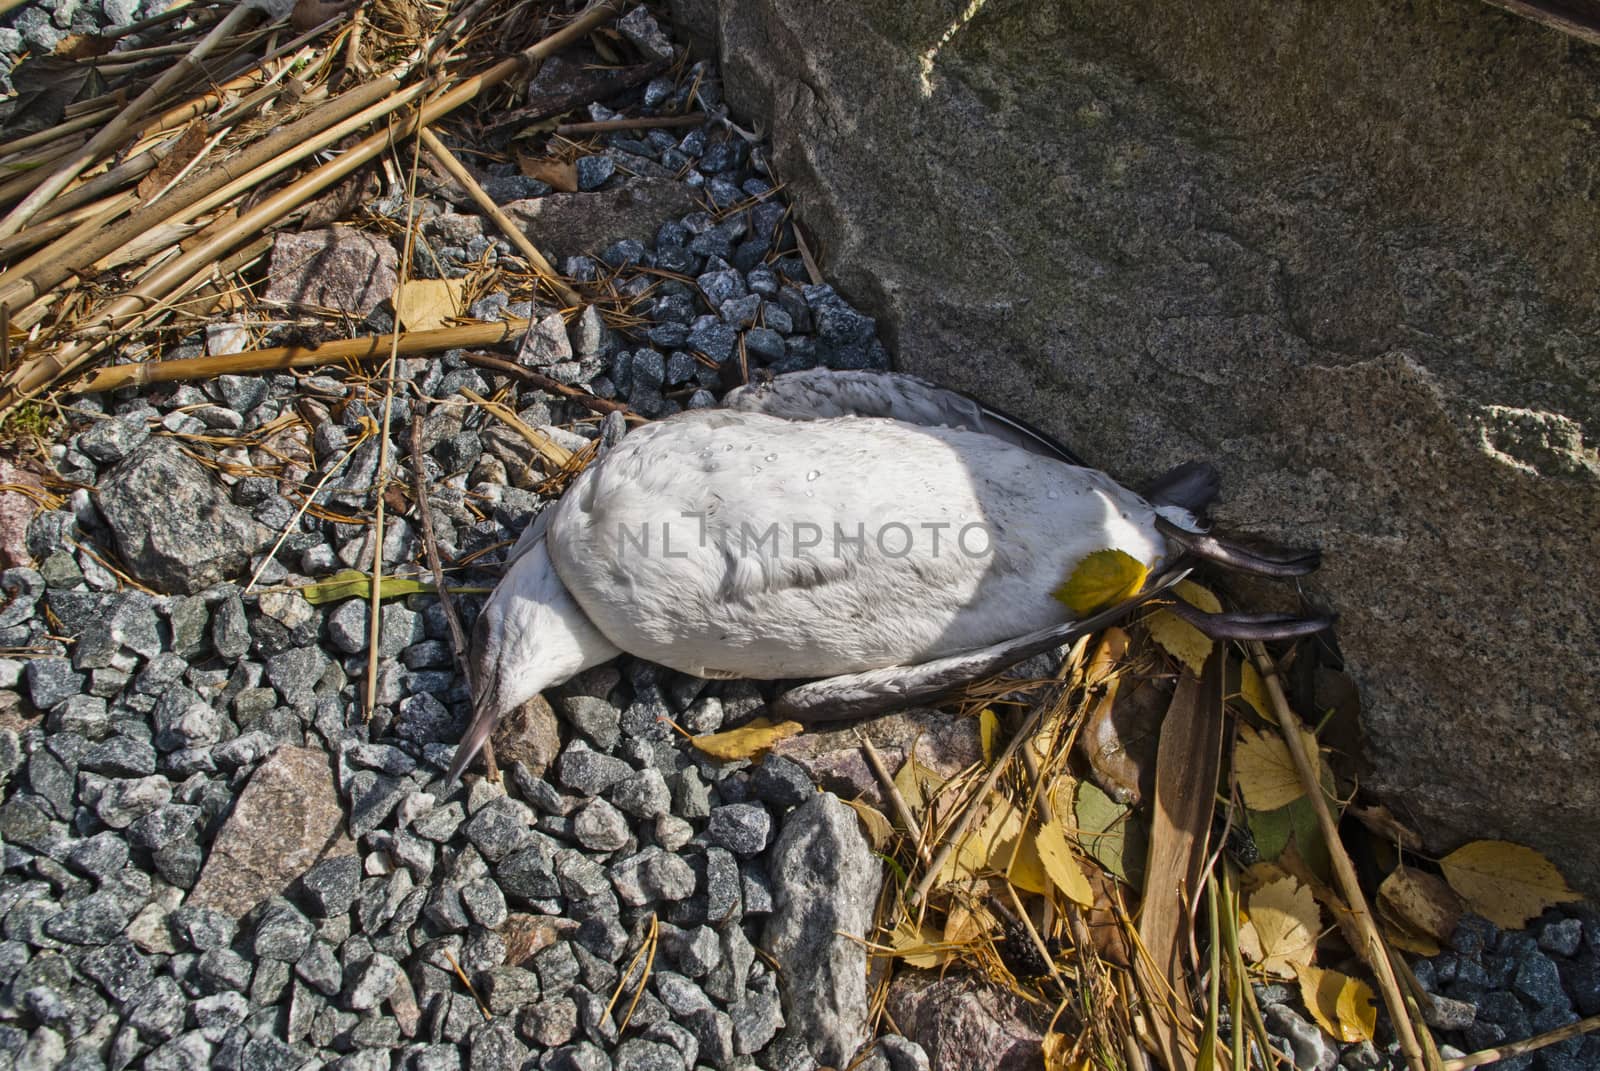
x=160, y=285
x=279, y=358
x=116, y=131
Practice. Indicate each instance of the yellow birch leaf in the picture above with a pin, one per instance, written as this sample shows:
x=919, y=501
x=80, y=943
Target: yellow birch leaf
x=1014, y=854
x=1057, y=1050
x=1504, y=882
x=1254, y=691
x=1197, y=596
x=876, y=826
x=1343, y=1005
x=916, y=783
x=1179, y=639
x=1268, y=777
x=1422, y=901
x=1101, y=580
x=750, y=740
x=1286, y=920
x=972, y=854
x=964, y=924
x=918, y=946
x=988, y=727
x=428, y=304
x=1061, y=866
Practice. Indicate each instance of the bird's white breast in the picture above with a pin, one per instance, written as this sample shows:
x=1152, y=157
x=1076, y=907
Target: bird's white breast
x=729, y=543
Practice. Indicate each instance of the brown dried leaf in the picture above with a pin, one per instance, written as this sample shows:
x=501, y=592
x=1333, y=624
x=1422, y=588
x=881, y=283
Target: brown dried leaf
x=184, y=150
x=1382, y=822
x=561, y=175
x=428, y=304
x=877, y=828
x=1424, y=902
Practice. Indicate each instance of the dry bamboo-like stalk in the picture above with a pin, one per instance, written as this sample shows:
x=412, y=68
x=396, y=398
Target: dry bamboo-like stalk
x=279, y=358
x=1517, y=1048
x=157, y=287
x=555, y=455
x=309, y=134
x=114, y=132
x=1374, y=951
x=546, y=272
x=60, y=130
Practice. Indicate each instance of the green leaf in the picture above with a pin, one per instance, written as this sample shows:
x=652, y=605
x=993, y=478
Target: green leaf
x=1297, y=823
x=354, y=584
x=1102, y=579
x=1107, y=836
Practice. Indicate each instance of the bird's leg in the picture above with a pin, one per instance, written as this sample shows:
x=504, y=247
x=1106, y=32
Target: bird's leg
x=1279, y=562
x=1233, y=626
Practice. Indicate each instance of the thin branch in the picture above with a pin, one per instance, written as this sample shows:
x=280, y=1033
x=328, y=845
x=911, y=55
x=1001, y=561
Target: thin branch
x=1374, y=951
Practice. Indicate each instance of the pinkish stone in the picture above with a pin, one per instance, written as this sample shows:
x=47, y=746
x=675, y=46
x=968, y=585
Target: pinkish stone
x=16, y=510
x=338, y=268
x=287, y=819
x=946, y=743
x=963, y=1022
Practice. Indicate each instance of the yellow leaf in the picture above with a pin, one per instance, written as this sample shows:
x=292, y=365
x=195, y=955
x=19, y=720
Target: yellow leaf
x=1199, y=597
x=1422, y=902
x=965, y=924
x=988, y=726
x=879, y=831
x=1102, y=579
x=1061, y=866
x=972, y=855
x=1268, y=777
x=1286, y=920
x=746, y=742
x=428, y=304
x=1343, y=1005
x=917, y=783
x=1254, y=691
x=918, y=946
x=1058, y=1049
x=1013, y=854
x=1504, y=882
x=1179, y=639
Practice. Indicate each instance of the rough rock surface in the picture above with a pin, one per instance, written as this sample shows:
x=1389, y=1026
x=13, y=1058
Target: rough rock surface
x=174, y=525
x=1368, y=298
x=336, y=268
x=962, y=1022
x=825, y=885
x=567, y=224
x=288, y=818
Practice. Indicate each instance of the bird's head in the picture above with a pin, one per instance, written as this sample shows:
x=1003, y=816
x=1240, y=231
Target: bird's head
x=530, y=635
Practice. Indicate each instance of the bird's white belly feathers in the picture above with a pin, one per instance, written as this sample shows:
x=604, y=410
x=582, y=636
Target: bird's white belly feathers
x=738, y=544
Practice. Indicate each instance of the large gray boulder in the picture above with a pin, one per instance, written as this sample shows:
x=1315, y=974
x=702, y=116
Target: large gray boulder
x=1347, y=253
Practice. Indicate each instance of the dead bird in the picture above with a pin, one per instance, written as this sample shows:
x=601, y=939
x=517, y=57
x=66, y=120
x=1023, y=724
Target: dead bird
x=885, y=538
